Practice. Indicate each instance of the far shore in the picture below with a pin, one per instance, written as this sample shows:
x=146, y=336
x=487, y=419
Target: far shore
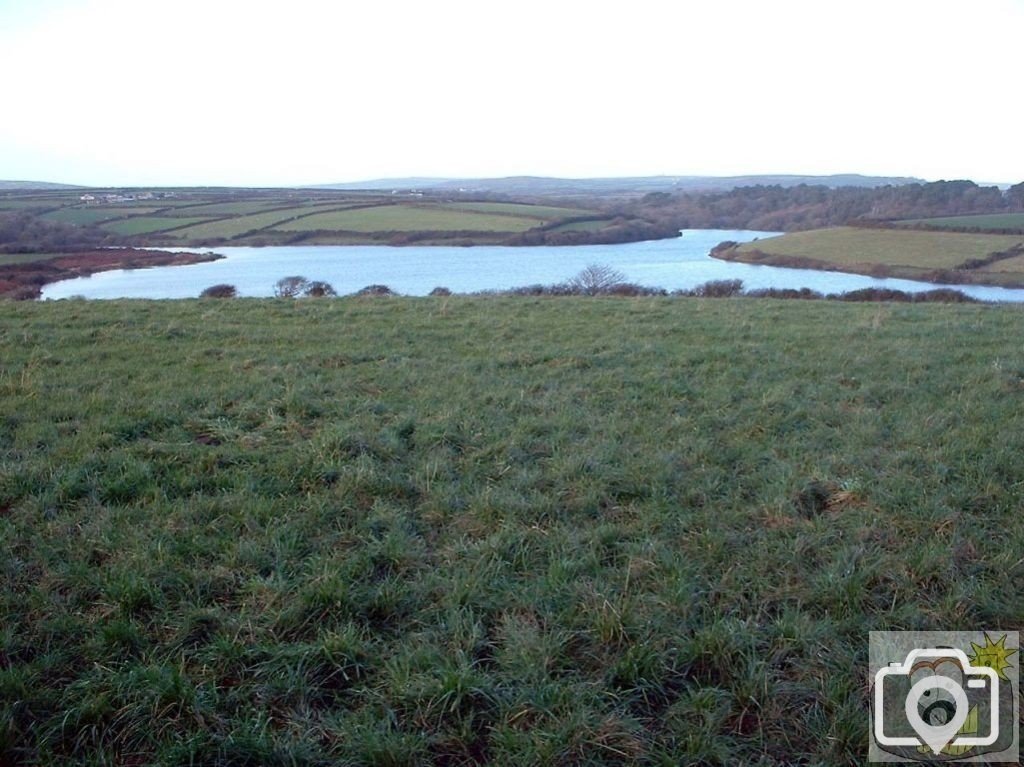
x=25, y=278
x=731, y=251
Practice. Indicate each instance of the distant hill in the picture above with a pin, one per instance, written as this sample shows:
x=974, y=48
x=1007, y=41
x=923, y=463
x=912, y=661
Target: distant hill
x=543, y=185
x=33, y=186
x=387, y=184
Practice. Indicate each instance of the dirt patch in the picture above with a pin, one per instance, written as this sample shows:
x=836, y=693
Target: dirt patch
x=25, y=281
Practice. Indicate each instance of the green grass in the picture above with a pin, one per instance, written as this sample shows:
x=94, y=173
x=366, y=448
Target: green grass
x=1013, y=265
x=985, y=221
x=93, y=215
x=582, y=226
x=518, y=209
x=407, y=218
x=185, y=202
x=849, y=246
x=244, y=208
x=25, y=258
x=529, y=532
x=23, y=204
x=233, y=227
x=149, y=225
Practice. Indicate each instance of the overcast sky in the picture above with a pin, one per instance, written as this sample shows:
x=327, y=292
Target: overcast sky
x=219, y=92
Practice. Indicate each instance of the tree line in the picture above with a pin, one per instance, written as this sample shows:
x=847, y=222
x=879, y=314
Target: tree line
x=777, y=208
x=25, y=232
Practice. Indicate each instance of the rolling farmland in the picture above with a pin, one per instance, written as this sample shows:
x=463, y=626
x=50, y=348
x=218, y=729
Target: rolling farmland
x=410, y=218
x=323, y=217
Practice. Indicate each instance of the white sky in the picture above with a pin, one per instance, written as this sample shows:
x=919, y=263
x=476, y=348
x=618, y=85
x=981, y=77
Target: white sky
x=220, y=92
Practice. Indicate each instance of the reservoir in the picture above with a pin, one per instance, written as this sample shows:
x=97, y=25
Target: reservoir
x=672, y=264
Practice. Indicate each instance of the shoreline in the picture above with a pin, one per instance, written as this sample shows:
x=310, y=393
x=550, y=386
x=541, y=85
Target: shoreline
x=24, y=280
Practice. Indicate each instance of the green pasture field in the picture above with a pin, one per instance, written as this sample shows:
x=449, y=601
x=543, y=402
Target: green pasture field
x=582, y=226
x=23, y=204
x=1013, y=264
x=520, y=209
x=25, y=258
x=513, y=531
x=850, y=246
x=150, y=225
x=984, y=221
x=409, y=218
x=239, y=208
x=233, y=227
x=93, y=214
x=185, y=202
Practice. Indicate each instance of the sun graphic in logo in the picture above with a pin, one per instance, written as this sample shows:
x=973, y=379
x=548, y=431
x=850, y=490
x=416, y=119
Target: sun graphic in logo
x=992, y=654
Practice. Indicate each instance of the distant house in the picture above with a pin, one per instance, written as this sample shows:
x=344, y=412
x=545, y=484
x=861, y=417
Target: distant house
x=87, y=198
x=118, y=198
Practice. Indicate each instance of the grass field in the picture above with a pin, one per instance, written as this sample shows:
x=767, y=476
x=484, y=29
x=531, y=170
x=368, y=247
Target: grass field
x=517, y=209
x=851, y=245
x=528, y=532
x=1013, y=221
x=25, y=258
x=238, y=208
x=1013, y=265
x=406, y=218
x=93, y=215
x=229, y=208
x=239, y=225
x=27, y=203
x=149, y=224
x=582, y=226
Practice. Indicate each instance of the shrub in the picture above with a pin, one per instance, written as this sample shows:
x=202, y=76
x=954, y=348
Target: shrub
x=24, y=293
x=719, y=289
x=376, y=290
x=290, y=287
x=440, y=291
x=945, y=296
x=537, y=289
x=874, y=294
x=632, y=289
x=318, y=289
x=802, y=293
x=222, y=290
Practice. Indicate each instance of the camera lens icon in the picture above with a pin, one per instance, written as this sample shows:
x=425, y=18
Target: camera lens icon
x=936, y=706
x=937, y=722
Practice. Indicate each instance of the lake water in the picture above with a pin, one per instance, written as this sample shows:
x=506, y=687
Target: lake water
x=670, y=264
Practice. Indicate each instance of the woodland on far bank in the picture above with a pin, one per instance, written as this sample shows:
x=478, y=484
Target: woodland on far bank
x=787, y=209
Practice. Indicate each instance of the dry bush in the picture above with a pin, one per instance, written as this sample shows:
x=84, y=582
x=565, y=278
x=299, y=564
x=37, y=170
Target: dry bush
x=222, y=290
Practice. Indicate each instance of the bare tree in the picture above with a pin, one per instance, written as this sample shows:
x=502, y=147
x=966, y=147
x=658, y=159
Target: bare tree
x=596, y=279
x=290, y=287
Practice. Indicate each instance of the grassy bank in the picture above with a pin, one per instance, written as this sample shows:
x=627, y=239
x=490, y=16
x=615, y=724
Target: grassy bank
x=932, y=256
x=516, y=531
